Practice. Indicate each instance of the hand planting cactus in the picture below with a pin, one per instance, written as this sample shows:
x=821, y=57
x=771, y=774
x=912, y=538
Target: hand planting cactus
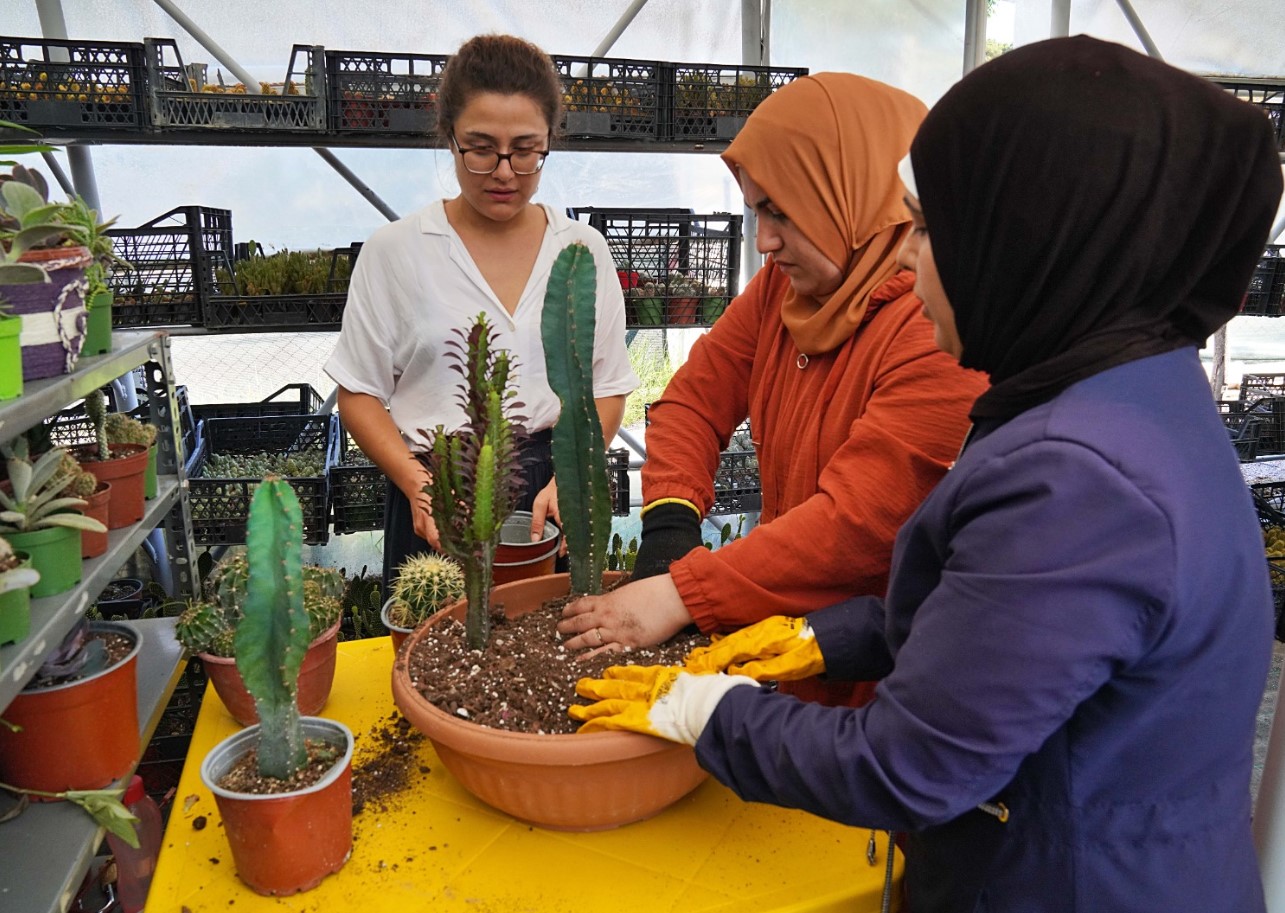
x=425, y=583
x=273, y=635
x=209, y=625
x=475, y=473
x=579, y=453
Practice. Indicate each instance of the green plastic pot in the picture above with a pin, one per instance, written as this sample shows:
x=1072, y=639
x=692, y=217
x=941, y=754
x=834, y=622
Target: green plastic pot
x=10, y=358
x=149, y=476
x=98, y=325
x=55, y=553
x=15, y=611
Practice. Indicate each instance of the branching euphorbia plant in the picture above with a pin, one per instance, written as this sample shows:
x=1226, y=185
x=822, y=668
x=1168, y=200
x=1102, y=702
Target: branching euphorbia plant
x=579, y=453
x=475, y=472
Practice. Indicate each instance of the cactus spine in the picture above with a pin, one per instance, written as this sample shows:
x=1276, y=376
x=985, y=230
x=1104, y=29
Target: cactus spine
x=424, y=584
x=579, y=453
x=272, y=637
x=96, y=410
x=475, y=473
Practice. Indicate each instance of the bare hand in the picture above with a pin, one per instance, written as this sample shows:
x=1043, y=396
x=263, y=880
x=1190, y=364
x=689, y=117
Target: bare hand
x=545, y=507
x=425, y=526
x=640, y=614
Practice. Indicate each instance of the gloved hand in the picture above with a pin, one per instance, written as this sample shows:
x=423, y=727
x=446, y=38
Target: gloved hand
x=776, y=649
x=662, y=701
x=669, y=531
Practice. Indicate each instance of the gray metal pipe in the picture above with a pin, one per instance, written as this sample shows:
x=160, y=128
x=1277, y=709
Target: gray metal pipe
x=358, y=184
x=55, y=168
x=1139, y=29
x=618, y=29
x=53, y=25
x=1060, y=19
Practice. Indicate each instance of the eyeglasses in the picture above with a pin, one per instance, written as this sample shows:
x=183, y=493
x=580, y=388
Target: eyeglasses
x=485, y=161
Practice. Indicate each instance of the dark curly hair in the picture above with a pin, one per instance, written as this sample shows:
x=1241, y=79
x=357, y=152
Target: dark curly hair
x=502, y=64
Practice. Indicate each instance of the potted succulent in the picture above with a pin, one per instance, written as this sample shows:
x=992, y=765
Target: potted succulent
x=38, y=520
x=565, y=782
x=97, y=498
x=98, y=294
x=123, y=465
x=208, y=628
x=425, y=583
x=122, y=428
x=285, y=837
x=17, y=577
x=42, y=273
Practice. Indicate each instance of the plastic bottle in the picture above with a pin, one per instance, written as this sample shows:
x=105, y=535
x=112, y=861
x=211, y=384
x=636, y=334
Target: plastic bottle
x=134, y=867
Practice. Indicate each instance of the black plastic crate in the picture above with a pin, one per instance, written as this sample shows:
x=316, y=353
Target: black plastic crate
x=357, y=490
x=84, y=86
x=219, y=507
x=292, y=399
x=173, y=256
x=1268, y=94
x=1258, y=386
x=710, y=101
x=1244, y=430
x=618, y=480
x=737, y=488
x=611, y=98
x=182, y=97
x=1270, y=413
x=1266, y=295
x=676, y=268
x=317, y=309
x=378, y=92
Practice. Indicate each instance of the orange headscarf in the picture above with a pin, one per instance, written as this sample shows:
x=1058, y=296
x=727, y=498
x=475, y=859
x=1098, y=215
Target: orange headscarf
x=825, y=148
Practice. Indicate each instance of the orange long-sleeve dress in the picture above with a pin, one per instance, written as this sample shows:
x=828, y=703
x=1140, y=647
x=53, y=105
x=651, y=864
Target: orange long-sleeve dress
x=848, y=443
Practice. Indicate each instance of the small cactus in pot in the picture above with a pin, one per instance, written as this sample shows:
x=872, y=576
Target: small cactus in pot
x=121, y=428
x=425, y=584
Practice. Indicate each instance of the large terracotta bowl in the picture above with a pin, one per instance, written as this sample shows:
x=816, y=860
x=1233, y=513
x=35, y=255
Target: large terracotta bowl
x=575, y=782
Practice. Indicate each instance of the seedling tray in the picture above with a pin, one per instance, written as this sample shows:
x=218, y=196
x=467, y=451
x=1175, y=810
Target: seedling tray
x=81, y=86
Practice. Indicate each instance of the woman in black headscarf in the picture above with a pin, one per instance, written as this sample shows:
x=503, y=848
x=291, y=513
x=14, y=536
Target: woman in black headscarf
x=1077, y=633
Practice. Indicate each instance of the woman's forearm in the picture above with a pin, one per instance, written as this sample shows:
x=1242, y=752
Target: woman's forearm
x=611, y=411
x=373, y=430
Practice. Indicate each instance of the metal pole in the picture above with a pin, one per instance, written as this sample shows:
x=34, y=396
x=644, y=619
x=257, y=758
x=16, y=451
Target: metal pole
x=251, y=84
x=54, y=26
x=55, y=168
x=358, y=184
x=1060, y=19
x=974, y=34
x=626, y=17
x=1139, y=29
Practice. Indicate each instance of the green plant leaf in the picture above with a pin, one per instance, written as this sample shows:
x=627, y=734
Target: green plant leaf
x=104, y=806
x=22, y=274
x=19, y=199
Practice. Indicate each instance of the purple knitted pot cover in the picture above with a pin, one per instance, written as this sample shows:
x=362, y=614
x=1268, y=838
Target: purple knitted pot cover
x=53, y=314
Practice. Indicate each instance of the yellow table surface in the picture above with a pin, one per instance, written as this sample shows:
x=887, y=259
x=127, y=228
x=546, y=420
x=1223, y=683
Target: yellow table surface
x=435, y=847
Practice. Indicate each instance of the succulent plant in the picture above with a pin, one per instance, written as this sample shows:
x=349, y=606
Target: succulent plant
x=209, y=624
x=579, y=453
x=34, y=501
x=122, y=428
x=13, y=576
x=475, y=472
x=28, y=221
x=257, y=465
x=82, y=484
x=425, y=583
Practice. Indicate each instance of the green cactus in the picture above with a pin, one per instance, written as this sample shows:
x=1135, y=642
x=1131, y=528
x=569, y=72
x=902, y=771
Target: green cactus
x=425, y=583
x=82, y=484
x=96, y=409
x=475, y=473
x=273, y=635
x=125, y=429
x=579, y=453
x=204, y=627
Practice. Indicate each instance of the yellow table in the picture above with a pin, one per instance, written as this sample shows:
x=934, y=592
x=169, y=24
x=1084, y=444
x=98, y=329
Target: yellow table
x=437, y=848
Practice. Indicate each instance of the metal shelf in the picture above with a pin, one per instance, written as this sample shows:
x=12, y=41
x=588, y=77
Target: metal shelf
x=45, y=851
x=53, y=616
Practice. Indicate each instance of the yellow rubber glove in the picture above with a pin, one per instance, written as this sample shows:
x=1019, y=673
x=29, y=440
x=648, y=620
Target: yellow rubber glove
x=662, y=701
x=776, y=649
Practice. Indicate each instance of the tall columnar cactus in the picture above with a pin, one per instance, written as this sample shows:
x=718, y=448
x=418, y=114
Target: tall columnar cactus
x=579, y=453
x=475, y=472
x=272, y=637
x=96, y=409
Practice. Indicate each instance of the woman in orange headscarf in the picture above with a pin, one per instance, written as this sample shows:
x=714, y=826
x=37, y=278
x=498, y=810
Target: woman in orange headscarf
x=855, y=412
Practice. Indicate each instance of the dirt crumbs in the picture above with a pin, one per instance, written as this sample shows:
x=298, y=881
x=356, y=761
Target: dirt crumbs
x=387, y=764
x=526, y=678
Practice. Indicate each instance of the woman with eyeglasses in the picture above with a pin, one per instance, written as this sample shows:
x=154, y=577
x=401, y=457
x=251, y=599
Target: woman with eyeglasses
x=489, y=249
x=854, y=412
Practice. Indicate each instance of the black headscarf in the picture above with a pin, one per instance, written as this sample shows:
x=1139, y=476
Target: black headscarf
x=1089, y=206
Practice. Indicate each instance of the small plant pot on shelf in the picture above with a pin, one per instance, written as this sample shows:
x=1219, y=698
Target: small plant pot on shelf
x=316, y=676
x=98, y=506
x=55, y=553
x=53, y=312
x=122, y=598
x=10, y=357
x=125, y=471
x=82, y=734
x=15, y=608
x=98, y=325
x=577, y=782
x=287, y=842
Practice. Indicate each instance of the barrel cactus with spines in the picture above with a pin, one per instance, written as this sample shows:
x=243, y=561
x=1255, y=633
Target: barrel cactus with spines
x=204, y=627
x=475, y=472
x=425, y=583
x=579, y=452
x=125, y=429
x=272, y=637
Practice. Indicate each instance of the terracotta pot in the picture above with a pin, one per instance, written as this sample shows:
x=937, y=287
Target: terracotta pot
x=316, y=675
x=396, y=632
x=81, y=735
x=573, y=782
x=125, y=470
x=98, y=506
x=517, y=557
x=289, y=842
